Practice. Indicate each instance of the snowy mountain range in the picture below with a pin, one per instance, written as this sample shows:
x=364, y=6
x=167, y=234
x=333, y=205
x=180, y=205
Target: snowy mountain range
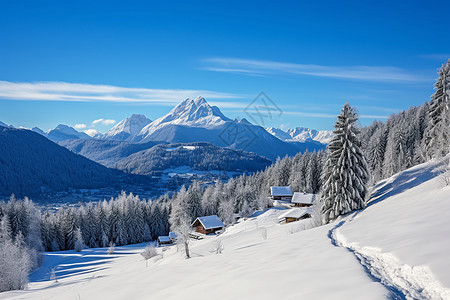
x=194, y=120
x=61, y=133
x=301, y=134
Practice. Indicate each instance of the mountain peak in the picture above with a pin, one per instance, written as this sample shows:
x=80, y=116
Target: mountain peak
x=127, y=128
x=189, y=112
x=64, y=132
x=64, y=127
x=194, y=112
x=38, y=130
x=200, y=100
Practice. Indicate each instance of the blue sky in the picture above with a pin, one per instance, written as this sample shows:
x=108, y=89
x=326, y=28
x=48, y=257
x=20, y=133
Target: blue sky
x=77, y=62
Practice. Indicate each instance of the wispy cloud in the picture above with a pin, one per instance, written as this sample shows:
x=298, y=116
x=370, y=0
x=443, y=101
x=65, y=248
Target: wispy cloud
x=267, y=67
x=83, y=92
x=103, y=121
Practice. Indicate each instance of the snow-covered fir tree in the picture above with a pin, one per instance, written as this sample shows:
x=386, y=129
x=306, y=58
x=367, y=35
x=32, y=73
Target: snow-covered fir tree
x=345, y=173
x=437, y=137
x=78, y=244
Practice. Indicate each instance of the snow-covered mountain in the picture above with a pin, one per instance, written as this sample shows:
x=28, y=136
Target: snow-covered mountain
x=197, y=121
x=279, y=133
x=193, y=113
x=128, y=128
x=3, y=124
x=64, y=132
x=301, y=134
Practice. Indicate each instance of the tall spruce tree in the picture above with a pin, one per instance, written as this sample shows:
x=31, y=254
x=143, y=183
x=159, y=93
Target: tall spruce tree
x=345, y=173
x=437, y=137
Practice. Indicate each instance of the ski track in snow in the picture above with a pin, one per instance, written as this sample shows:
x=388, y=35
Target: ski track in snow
x=402, y=281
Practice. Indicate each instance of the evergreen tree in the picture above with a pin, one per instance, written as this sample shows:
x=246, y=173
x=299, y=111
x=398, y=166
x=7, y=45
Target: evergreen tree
x=346, y=173
x=78, y=244
x=437, y=138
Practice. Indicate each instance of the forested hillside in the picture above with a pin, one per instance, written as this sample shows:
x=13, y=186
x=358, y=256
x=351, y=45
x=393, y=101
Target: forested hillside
x=198, y=156
x=412, y=136
x=31, y=164
x=105, y=152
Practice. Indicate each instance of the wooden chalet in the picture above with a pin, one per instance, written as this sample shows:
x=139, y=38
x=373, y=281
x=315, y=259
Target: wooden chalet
x=281, y=193
x=302, y=199
x=295, y=214
x=208, y=224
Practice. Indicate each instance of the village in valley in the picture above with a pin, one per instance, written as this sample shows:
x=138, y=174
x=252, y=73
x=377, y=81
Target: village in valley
x=295, y=206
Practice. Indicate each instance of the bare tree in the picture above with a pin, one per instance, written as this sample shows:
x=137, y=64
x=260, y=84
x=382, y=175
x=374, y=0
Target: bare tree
x=149, y=252
x=53, y=275
x=264, y=233
x=217, y=247
x=111, y=248
x=445, y=171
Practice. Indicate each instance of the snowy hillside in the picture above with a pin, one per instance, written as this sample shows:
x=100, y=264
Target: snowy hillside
x=127, y=128
x=105, y=152
x=301, y=134
x=396, y=248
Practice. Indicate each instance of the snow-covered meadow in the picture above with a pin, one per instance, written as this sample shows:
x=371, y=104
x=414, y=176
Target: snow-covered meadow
x=397, y=248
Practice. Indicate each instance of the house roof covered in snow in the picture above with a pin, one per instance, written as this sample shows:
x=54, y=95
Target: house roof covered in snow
x=302, y=198
x=295, y=213
x=210, y=222
x=164, y=238
x=281, y=191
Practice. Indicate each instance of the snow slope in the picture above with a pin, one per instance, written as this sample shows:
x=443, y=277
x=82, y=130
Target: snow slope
x=404, y=233
x=286, y=265
x=397, y=248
